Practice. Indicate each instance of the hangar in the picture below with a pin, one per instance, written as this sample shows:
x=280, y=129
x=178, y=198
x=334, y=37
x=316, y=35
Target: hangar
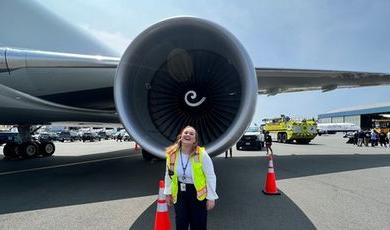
x=376, y=115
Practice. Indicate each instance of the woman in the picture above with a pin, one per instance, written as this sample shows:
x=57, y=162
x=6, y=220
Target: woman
x=190, y=181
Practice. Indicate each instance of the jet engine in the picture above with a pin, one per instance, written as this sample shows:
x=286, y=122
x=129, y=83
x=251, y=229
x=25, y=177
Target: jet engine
x=185, y=71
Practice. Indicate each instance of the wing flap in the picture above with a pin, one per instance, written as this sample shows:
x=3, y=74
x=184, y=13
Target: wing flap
x=274, y=81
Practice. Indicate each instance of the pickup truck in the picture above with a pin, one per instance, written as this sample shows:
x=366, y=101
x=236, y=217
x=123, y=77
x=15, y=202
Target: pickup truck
x=253, y=138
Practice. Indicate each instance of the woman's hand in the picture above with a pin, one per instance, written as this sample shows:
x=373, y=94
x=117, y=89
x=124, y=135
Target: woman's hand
x=169, y=200
x=210, y=204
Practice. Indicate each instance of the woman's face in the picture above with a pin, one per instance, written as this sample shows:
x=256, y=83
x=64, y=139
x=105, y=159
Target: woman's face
x=188, y=136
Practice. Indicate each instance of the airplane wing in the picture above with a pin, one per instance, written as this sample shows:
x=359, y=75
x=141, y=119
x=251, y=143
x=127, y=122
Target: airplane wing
x=274, y=81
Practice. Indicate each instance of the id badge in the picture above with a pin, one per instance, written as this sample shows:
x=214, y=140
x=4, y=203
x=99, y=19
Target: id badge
x=182, y=187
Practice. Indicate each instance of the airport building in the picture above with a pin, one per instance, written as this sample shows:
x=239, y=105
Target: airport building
x=365, y=116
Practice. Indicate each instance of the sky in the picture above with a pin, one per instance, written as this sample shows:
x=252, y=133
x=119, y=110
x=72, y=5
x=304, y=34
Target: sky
x=329, y=35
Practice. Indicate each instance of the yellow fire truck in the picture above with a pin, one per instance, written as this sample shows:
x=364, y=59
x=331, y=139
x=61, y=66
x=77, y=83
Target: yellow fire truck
x=381, y=125
x=287, y=130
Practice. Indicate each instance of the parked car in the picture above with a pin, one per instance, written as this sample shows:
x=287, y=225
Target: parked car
x=47, y=136
x=126, y=137
x=88, y=136
x=118, y=136
x=103, y=135
x=67, y=136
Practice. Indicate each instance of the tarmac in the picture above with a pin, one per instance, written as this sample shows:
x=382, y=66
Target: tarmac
x=106, y=185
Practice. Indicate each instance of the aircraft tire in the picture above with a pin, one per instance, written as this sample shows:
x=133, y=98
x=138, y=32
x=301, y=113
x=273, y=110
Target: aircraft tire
x=279, y=137
x=29, y=149
x=283, y=138
x=47, y=148
x=9, y=150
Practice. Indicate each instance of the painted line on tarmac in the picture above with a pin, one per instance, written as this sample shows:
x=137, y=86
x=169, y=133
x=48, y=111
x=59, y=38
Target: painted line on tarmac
x=63, y=165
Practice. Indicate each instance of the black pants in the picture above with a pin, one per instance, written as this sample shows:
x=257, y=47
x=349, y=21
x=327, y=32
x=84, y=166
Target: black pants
x=189, y=210
x=227, y=151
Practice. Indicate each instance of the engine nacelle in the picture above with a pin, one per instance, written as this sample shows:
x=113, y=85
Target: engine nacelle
x=185, y=71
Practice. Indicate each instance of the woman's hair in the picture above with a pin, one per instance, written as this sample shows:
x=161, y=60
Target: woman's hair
x=177, y=144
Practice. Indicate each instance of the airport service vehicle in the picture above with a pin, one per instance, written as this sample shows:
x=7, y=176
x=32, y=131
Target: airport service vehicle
x=287, y=130
x=381, y=125
x=191, y=71
x=332, y=128
x=253, y=138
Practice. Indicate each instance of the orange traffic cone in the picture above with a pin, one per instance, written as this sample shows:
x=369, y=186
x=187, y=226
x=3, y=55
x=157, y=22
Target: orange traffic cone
x=270, y=182
x=162, y=221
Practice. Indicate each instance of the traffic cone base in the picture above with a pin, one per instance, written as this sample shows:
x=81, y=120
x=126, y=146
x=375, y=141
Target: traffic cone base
x=268, y=193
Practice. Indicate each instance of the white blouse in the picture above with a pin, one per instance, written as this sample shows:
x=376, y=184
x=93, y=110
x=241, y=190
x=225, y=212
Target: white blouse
x=208, y=170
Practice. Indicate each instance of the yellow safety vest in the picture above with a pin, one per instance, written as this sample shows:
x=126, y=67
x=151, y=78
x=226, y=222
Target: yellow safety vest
x=198, y=175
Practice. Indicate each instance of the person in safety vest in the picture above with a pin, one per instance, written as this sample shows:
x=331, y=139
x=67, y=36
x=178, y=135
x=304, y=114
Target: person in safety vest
x=190, y=181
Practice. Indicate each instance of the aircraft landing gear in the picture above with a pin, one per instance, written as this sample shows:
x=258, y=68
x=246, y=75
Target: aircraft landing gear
x=25, y=147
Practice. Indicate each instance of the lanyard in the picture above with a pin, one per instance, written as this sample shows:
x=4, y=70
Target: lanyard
x=182, y=165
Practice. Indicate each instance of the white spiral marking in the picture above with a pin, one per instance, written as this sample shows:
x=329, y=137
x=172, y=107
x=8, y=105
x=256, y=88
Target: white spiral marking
x=193, y=96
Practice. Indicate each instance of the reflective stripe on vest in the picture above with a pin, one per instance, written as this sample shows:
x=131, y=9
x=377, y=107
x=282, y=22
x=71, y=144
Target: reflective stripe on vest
x=171, y=165
x=198, y=175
